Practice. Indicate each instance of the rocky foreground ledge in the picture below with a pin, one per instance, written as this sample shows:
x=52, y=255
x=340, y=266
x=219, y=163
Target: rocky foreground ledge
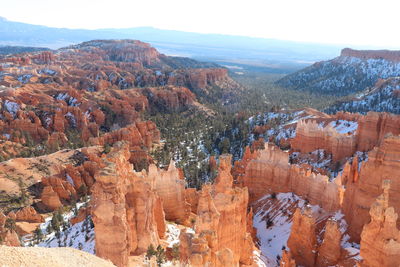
x=55, y=257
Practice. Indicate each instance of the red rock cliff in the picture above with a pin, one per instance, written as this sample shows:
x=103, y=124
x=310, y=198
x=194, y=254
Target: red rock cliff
x=371, y=54
x=380, y=244
x=270, y=172
x=361, y=192
x=126, y=210
x=222, y=236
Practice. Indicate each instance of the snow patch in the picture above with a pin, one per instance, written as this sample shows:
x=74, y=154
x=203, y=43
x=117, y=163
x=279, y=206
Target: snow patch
x=344, y=127
x=11, y=107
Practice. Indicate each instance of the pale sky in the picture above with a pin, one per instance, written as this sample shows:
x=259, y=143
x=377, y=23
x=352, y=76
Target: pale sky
x=354, y=22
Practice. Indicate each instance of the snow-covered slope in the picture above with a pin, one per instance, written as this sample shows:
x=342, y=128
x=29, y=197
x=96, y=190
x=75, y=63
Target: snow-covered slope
x=80, y=235
x=273, y=220
x=341, y=76
x=384, y=97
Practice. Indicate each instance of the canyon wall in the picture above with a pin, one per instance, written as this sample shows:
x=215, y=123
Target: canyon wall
x=362, y=134
x=371, y=54
x=310, y=136
x=270, y=172
x=361, y=192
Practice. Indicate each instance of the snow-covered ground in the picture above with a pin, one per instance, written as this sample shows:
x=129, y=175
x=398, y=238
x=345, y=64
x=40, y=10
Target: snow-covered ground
x=283, y=124
x=71, y=101
x=80, y=236
x=11, y=107
x=341, y=76
x=381, y=99
x=318, y=159
x=273, y=220
x=344, y=127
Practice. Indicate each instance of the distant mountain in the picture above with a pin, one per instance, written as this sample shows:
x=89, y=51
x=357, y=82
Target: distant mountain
x=275, y=55
x=383, y=97
x=353, y=71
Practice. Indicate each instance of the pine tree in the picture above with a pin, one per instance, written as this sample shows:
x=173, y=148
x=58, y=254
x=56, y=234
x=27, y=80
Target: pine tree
x=38, y=235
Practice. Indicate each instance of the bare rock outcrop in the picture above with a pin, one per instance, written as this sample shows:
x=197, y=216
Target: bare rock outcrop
x=329, y=252
x=363, y=189
x=170, y=186
x=363, y=133
x=380, y=244
x=29, y=214
x=371, y=54
x=287, y=259
x=302, y=241
x=222, y=237
x=124, y=209
x=268, y=171
x=310, y=136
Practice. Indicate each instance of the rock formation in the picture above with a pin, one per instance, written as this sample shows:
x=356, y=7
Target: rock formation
x=380, y=244
x=287, y=260
x=49, y=103
x=368, y=54
x=170, y=186
x=331, y=134
x=374, y=127
x=310, y=136
x=269, y=172
x=124, y=209
x=302, y=241
x=329, y=252
x=361, y=193
x=222, y=236
x=29, y=214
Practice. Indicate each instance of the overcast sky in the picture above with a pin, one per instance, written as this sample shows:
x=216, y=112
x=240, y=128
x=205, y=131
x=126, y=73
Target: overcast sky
x=370, y=23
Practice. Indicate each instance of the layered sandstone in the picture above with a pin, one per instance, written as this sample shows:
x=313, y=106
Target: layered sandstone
x=363, y=134
x=51, y=103
x=380, y=244
x=302, y=241
x=124, y=209
x=310, y=136
x=269, y=171
x=330, y=251
x=170, y=186
x=222, y=236
x=364, y=188
x=371, y=54
x=287, y=260
x=374, y=127
x=29, y=214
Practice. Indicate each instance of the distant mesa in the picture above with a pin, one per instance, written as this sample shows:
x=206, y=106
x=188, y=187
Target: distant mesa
x=392, y=55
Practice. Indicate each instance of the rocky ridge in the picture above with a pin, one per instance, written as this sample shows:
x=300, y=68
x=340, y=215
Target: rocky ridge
x=384, y=96
x=351, y=72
